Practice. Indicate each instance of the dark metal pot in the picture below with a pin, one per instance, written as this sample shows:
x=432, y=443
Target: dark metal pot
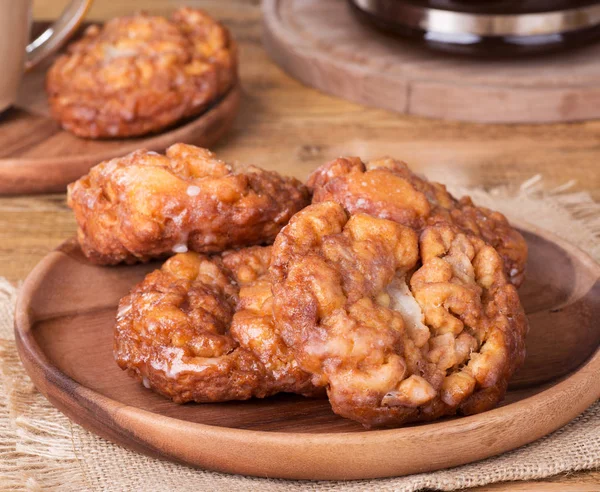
x=492, y=27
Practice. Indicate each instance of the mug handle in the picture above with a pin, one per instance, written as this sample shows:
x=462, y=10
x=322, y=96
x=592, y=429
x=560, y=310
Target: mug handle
x=54, y=37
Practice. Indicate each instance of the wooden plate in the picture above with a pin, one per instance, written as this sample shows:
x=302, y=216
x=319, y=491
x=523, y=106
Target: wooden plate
x=37, y=156
x=321, y=43
x=64, y=322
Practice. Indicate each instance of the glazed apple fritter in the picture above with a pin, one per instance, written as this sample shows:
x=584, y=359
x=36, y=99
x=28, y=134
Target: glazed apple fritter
x=201, y=329
x=146, y=205
x=141, y=74
x=398, y=327
x=387, y=189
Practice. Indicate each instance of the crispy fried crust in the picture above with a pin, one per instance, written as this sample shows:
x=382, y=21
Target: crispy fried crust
x=146, y=205
x=140, y=74
x=397, y=328
x=387, y=189
x=201, y=329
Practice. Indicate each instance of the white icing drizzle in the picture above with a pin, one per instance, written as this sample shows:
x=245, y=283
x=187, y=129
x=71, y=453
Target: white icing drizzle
x=209, y=239
x=281, y=216
x=123, y=310
x=180, y=248
x=403, y=301
x=193, y=190
x=180, y=222
x=172, y=363
x=113, y=52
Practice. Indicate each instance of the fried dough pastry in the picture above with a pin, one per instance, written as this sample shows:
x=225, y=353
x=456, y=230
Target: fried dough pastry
x=141, y=74
x=398, y=328
x=201, y=329
x=388, y=189
x=146, y=205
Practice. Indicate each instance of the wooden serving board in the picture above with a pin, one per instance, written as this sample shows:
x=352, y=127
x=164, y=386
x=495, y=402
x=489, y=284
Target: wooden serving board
x=37, y=156
x=321, y=43
x=64, y=329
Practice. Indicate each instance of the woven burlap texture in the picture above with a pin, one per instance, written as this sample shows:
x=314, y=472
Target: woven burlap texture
x=40, y=449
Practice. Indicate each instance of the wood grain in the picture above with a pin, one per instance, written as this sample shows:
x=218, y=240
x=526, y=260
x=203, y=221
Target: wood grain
x=37, y=156
x=323, y=44
x=64, y=330
x=288, y=127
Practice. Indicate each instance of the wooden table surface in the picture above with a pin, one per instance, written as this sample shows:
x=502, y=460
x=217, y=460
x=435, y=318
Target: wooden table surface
x=291, y=128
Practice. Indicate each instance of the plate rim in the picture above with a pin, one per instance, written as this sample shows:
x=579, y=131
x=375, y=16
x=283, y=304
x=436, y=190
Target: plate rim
x=583, y=389
x=15, y=172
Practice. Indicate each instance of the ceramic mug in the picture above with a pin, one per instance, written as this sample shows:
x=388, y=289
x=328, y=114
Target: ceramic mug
x=15, y=52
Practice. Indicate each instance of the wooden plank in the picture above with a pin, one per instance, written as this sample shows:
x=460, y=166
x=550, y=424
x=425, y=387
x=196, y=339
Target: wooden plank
x=321, y=43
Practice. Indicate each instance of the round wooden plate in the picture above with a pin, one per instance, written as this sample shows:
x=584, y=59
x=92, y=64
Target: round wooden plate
x=37, y=156
x=64, y=324
x=321, y=43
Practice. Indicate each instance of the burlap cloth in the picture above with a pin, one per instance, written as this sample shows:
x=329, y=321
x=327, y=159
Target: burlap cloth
x=40, y=449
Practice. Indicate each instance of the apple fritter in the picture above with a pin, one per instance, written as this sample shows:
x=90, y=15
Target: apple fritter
x=201, y=329
x=388, y=189
x=146, y=205
x=141, y=74
x=398, y=327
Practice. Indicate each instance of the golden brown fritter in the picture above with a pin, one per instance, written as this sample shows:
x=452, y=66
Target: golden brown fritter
x=141, y=74
x=201, y=329
x=397, y=328
x=388, y=189
x=146, y=205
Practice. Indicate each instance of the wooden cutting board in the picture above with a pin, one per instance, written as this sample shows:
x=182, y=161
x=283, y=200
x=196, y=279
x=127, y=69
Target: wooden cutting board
x=64, y=331
x=322, y=44
x=37, y=156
